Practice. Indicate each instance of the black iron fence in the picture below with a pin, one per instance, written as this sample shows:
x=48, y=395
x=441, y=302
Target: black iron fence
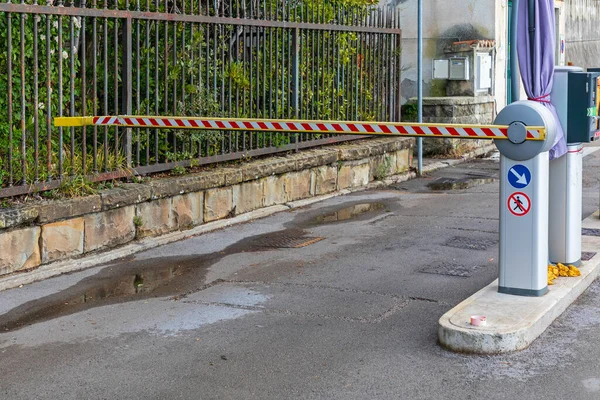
x=304, y=59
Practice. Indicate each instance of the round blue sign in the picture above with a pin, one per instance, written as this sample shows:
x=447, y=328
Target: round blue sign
x=519, y=176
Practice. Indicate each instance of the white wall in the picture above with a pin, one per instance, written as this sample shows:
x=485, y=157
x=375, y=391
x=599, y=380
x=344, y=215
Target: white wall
x=444, y=22
x=583, y=32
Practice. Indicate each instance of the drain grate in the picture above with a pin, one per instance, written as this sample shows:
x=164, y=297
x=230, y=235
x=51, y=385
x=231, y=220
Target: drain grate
x=461, y=242
x=590, y=232
x=287, y=242
x=451, y=269
x=587, y=255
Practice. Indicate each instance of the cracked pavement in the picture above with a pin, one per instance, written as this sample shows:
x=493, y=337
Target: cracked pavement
x=352, y=315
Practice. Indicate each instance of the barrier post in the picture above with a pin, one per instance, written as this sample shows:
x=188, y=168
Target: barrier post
x=524, y=202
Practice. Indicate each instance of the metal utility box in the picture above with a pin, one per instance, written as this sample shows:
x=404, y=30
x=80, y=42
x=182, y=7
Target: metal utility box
x=575, y=96
x=582, y=123
x=483, y=72
x=597, y=70
x=441, y=69
x=459, y=69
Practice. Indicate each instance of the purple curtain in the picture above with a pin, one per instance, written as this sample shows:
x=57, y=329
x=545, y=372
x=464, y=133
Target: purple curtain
x=538, y=74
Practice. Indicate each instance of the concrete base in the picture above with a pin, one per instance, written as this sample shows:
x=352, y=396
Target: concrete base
x=514, y=322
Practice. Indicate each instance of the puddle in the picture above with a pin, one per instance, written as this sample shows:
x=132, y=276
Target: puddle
x=125, y=281
x=459, y=183
x=349, y=212
x=130, y=280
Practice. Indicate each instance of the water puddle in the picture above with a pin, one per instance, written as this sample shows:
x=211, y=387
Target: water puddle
x=131, y=280
x=348, y=213
x=459, y=183
x=125, y=281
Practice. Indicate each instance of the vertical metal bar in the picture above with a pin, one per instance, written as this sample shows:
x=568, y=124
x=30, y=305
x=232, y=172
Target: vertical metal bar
x=365, y=74
x=10, y=98
x=271, y=73
x=243, y=45
x=531, y=28
x=174, y=94
x=312, y=53
x=137, y=83
x=72, y=89
x=106, y=111
x=222, y=46
x=317, y=71
x=156, y=85
x=115, y=76
x=236, y=59
x=36, y=100
x=23, y=104
x=250, y=48
x=83, y=91
x=230, y=90
x=420, y=83
x=391, y=81
x=398, y=73
x=147, y=55
x=95, y=87
x=230, y=134
x=48, y=103
x=276, y=66
x=333, y=72
x=166, y=79
x=296, y=77
x=127, y=86
x=264, y=79
x=60, y=94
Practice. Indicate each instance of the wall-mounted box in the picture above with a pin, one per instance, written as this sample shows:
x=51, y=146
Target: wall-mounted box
x=459, y=69
x=483, y=71
x=441, y=69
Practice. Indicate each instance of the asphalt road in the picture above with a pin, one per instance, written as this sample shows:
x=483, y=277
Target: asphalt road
x=339, y=300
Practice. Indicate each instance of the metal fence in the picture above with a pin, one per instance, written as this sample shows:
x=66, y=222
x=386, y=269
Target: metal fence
x=310, y=59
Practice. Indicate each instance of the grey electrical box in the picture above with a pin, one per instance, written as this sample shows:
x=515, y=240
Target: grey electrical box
x=459, y=69
x=483, y=75
x=582, y=125
x=440, y=69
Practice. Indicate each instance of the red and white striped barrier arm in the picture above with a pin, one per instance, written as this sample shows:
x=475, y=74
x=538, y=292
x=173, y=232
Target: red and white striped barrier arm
x=285, y=126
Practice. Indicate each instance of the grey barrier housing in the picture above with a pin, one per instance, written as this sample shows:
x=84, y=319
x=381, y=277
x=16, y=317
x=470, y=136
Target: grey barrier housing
x=524, y=202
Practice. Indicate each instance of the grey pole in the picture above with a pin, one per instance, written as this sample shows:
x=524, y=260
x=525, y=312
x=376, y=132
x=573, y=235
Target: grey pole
x=420, y=84
x=532, y=27
x=515, y=87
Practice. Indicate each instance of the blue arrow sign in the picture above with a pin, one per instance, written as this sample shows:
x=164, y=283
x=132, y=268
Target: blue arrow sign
x=519, y=176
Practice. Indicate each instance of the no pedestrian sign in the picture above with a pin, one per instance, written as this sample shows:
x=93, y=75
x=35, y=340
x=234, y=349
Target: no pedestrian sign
x=519, y=204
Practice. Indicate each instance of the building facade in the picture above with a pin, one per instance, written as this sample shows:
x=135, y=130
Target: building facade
x=450, y=26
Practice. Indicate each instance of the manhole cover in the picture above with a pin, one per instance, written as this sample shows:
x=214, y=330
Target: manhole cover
x=451, y=269
x=587, y=255
x=287, y=242
x=470, y=244
x=590, y=232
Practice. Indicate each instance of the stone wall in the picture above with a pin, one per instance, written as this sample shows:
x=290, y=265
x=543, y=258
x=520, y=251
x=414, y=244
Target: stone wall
x=456, y=110
x=36, y=234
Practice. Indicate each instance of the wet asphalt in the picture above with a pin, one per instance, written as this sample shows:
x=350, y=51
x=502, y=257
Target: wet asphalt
x=338, y=300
